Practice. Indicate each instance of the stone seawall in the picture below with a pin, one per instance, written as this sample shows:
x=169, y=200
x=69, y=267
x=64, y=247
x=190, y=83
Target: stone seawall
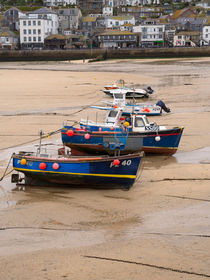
x=59, y=55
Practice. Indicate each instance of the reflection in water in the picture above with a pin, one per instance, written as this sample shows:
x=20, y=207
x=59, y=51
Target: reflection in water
x=197, y=156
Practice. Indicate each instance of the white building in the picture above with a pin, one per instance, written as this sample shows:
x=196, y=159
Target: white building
x=55, y=3
x=115, y=22
x=108, y=11
x=205, y=41
x=36, y=26
x=151, y=35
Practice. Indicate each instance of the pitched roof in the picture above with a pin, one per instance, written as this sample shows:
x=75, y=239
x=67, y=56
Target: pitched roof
x=117, y=32
x=56, y=36
x=43, y=11
x=121, y=17
x=89, y=19
x=8, y=34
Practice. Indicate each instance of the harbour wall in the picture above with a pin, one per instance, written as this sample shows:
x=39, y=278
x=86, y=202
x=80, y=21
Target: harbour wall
x=102, y=54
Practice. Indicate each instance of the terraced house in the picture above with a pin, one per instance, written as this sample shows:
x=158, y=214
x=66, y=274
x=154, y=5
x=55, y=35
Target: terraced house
x=117, y=39
x=36, y=26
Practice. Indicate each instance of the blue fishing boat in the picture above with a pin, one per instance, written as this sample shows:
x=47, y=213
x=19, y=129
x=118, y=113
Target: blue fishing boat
x=101, y=137
x=68, y=171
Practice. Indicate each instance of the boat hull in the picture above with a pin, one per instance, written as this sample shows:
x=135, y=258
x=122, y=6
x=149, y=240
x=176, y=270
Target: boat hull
x=91, y=172
x=163, y=142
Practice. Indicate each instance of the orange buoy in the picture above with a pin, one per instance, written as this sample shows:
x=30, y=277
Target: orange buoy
x=23, y=161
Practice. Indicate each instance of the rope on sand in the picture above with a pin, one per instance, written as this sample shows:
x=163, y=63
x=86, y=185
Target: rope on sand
x=151, y=265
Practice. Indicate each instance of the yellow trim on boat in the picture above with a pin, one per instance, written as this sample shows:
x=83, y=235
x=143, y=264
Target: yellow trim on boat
x=85, y=174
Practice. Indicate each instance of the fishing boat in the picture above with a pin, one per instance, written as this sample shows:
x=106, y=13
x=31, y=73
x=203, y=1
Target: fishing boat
x=129, y=91
x=119, y=101
x=95, y=137
x=64, y=170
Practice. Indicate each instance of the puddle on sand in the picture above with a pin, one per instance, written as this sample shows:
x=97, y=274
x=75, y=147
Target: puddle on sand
x=197, y=156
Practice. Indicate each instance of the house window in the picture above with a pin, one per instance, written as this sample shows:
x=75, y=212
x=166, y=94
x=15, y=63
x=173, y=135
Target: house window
x=39, y=39
x=24, y=39
x=29, y=22
x=39, y=31
x=34, y=39
x=144, y=36
x=160, y=36
x=24, y=31
x=160, y=29
x=29, y=39
x=179, y=37
x=7, y=39
x=34, y=22
x=24, y=22
x=117, y=23
x=206, y=30
x=34, y=31
x=39, y=22
x=206, y=35
x=29, y=31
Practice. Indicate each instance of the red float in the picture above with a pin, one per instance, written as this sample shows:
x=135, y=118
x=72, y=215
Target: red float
x=87, y=136
x=116, y=162
x=55, y=165
x=42, y=165
x=70, y=133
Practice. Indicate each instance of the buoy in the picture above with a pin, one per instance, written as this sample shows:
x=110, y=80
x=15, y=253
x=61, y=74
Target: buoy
x=115, y=106
x=70, y=133
x=126, y=124
x=112, y=128
x=42, y=165
x=100, y=129
x=55, y=166
x=157, y=138
x=87, y=136
x=23, y=161
x=116, y=162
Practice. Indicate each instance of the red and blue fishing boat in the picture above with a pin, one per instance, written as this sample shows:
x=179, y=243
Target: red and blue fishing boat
x=69, y=171
x=105, y=137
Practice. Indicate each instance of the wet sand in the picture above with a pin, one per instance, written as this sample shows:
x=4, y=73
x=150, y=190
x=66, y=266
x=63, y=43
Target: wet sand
x=159, y=229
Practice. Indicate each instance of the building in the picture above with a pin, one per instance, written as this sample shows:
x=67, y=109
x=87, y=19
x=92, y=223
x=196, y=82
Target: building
x=115, y=22
x=36, y=26
x=88, y=6
x=88, y=25
x=69, y=19
x=8, y=40
x=55, y=3
x=11, y=18
x=187, y=39
x=152, y=35
x=108, y=11
x=117, y=39
x=205, y=40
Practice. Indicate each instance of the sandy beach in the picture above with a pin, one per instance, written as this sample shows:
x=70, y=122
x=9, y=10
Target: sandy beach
x=159, y=229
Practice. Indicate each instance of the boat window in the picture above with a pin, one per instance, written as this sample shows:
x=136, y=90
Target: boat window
x=118, y=96
x=146, y=120
x=139, y=122
x=112, y=114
